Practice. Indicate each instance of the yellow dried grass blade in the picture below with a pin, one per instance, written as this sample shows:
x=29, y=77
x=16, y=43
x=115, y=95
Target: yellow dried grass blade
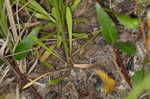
x=33, y=81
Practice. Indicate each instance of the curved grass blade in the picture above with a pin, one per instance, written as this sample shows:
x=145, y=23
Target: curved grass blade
x=48, y=49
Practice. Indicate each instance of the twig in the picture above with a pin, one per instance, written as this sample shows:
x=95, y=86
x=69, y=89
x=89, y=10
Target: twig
x=123, y=70
x=120, y=73
x=22, y=77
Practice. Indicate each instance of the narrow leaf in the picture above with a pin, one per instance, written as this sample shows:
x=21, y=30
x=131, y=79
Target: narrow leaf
x=79, y=20
x=126, y=47
x=48, y=49
x=80, y=35
x=109, y=29
x=35, y=6
x=69, y=24
x=41, y=16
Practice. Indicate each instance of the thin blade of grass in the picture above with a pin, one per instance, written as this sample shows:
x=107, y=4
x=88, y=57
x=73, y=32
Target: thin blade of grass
x=11, y=19
x=69, y=24
x=86, y=43
x=48, y=49
x=35, y=6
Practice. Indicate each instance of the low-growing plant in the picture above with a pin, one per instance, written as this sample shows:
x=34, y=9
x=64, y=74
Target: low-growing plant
x=109, y=31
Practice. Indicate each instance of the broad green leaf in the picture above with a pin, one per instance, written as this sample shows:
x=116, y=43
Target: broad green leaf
x=126, y=47
x=55, y=81
x=132, y=23
x=26, y=44
x=69, y=24
x=138, y=78
x=80, y=35
x=108, y=28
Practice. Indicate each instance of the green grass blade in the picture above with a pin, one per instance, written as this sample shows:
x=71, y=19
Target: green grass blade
x=48, y=49
x=86, y=43
x=80, y=35
x=69, y=24
x=55, y=81
x=35, y=6
x=3, y=21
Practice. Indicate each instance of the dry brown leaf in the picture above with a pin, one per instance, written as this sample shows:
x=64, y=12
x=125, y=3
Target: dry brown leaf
x=109, y=83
